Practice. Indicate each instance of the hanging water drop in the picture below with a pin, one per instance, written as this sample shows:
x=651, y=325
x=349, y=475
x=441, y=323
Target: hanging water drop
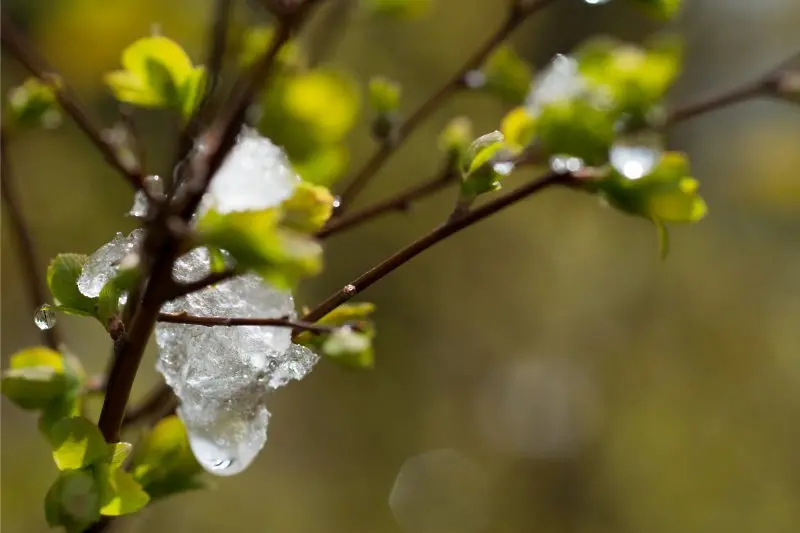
x=45, y=317
x=155, y=186
x=635, y=155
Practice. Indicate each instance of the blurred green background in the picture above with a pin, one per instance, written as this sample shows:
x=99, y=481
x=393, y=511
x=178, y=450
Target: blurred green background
x=595, y=388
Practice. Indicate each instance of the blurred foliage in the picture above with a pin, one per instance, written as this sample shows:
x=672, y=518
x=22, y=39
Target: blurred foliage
x=696, y=361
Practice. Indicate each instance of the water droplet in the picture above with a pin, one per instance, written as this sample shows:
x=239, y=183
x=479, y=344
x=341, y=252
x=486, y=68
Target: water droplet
x=45, y=317
x=635, y=155
x=337, y=203
x=474, y=79
x=564, y=163
x=155, y=186
x=349, y=290
x=504, y=168
x=596, y=2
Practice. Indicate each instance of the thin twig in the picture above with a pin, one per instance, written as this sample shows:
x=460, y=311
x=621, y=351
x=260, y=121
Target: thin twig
x=135, y=143
x=33, y=282
x=735, y=96
x=453, y=85
x=437, y=235
x=156, y=404
x=26, y=54
x=211, y=321
x=218, y=39
x=182, y=289
x=399, y=202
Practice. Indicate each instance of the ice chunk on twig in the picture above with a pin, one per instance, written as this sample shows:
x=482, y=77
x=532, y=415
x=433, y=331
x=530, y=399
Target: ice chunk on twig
x=103, y=264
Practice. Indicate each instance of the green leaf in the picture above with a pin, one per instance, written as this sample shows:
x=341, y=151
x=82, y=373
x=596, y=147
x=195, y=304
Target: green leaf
x=120, y=493
x=348, y=313
x=350, y=347
x=77, y=443
x=164, y=463
x=108, y=302
x=384, y=95
x=636, y=77
x=518, y=129
x=479, y=175
x=660, y=9
x=157, y=73
x=118, y=452
x=73, y=501
x=308, y=209
x=324, y=166
x=62, y=279
x=64, y=406
x=456, y=137
x=326, y=101
x=257, y=242
x=35, y=379
x=34, y=104
x=217, y=259
x=346, y=346
x=666, y=195
x=507, y=75
x=398, y=9
x=191, y=92
x=257, y=40
x=576, y=127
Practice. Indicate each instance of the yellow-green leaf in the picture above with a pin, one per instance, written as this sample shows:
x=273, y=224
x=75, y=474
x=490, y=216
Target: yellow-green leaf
x=384, y=95
x=35, y=378
x=120, y=493
x=62, y=279
x=73, y=501
x=518, y=129
x=33, y=104
x=507, y=75
x=77, y=443
x=309, y=207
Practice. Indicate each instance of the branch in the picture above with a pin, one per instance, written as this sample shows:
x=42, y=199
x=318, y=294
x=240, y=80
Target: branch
x=400, y=202
x=158, y=403
x=218, y=39
x=516, y=16
x=162, y=247
x=437, y=235
x=211, y=321
x=36, y=288
x=25, y=53
x=182, y=289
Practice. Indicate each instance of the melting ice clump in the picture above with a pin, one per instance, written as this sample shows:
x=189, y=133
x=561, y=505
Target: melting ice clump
x=102, y=265
x=223, y=375
x=255, y=175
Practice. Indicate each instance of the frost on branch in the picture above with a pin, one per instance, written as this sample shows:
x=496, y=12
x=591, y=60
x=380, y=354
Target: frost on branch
x=223, y=375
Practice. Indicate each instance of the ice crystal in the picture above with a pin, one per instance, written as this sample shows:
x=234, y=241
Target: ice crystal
x=104, y=263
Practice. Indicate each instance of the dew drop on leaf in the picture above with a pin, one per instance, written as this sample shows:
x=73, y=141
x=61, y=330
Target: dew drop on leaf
x=636, y=155
x=45, y=317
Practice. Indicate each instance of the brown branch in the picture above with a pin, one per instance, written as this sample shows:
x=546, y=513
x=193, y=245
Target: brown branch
x=400, y=202
x=26, y=54
x=37, y=291
x=182, y=289
x=516, y=16
x=159, y=402
x=437, y=235
x=211, y=321
x=218, y=38
x=734, y=96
